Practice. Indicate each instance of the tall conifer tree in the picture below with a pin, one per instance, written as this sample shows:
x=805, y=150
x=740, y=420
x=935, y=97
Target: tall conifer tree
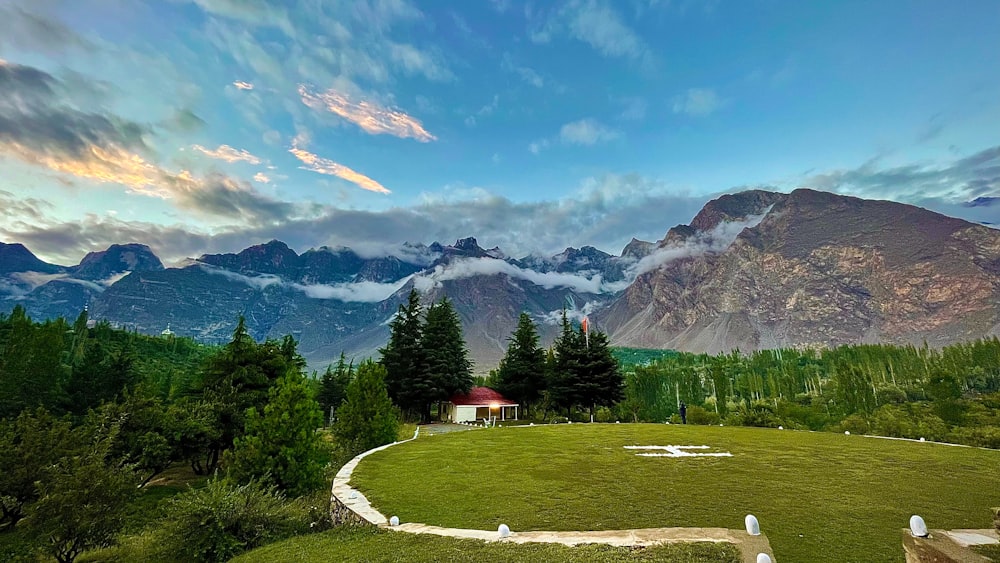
x=403, y=358
x=448, y=369
x=521, y=373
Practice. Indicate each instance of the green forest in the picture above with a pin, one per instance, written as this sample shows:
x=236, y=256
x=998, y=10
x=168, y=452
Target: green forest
x=120, y=446
x=950, y=394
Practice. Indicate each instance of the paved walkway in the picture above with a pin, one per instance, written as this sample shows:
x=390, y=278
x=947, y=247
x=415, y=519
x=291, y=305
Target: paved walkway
x=748, y=545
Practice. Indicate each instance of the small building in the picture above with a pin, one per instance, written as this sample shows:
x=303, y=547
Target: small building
x=479, y=404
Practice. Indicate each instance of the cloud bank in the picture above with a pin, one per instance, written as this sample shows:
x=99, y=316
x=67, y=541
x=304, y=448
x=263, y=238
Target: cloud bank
x=352, y=292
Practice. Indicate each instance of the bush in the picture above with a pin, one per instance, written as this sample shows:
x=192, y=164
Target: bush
x=82, y=504
x=366, y=419
x=908, y=421
x=855, y=424
x=761, y=415
x=603, y=415
x=218, y=521
x=699, y=415
x=985, y=437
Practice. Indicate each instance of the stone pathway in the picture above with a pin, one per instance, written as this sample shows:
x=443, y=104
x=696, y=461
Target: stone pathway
x=345, y=496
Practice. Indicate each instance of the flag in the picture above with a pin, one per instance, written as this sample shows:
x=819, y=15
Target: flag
x=586, y=330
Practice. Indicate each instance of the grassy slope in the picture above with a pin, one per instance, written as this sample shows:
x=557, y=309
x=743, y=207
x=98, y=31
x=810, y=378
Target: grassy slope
x=371, y=545
x=819, y=496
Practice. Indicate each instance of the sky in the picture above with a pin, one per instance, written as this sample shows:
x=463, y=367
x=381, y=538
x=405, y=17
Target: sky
x=200, y=126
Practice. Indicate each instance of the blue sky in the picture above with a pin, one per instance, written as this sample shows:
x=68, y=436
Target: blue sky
x=208, y=125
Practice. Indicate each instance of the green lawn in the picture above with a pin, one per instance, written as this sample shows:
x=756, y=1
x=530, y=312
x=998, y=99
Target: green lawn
x=819, y=496
x=368, y=544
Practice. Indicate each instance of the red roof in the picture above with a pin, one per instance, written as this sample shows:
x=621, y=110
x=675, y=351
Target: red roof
x=481, y=397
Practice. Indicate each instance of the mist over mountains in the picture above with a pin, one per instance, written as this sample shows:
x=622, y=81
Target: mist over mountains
x=753, y=269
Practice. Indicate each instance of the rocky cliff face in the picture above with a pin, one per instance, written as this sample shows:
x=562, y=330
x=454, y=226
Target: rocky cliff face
x=818, y=270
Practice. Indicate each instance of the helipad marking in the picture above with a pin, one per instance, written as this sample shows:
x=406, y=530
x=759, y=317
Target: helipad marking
x=677, y=451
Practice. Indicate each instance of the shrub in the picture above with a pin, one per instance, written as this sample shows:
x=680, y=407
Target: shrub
x=984, y=437
x=855, y=424
x=603, y=415
x=908, y=421
x=699, y=415
x=366, y=419
x=218, y=521
x=82, y=504
x=759, y=414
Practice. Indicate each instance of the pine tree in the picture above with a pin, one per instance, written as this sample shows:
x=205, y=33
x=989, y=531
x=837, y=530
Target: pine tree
x=565, y=375
x=404, y=360
x=366, y=419
x=602, y=380
x=239, y=377
x=333, y=385
x=281, y=444
x=448, y=369
x=521, y=375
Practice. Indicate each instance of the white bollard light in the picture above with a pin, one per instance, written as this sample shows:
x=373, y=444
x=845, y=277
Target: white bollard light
x=504, y=531
x=922, y=439
x=753, y=526
x=779, y=428
x=917, y=527
x=763, y=558
x=394, y=521
x=847, y=432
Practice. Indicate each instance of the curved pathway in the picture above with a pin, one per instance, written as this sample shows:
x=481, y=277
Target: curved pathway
x=349, y=498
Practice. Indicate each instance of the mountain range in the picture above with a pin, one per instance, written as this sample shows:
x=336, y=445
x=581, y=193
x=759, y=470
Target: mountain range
x=754, y=269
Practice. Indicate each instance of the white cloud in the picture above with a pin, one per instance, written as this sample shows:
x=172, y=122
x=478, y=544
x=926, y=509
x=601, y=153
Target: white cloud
x=698, y=102
x=471, y=267
x=228, y=154
x=716, y=240
x=352, y=292
x=586, y=132
x=35, y=279
x=538, y=146
x=260, y=281
x=356, y=292
x=573, y=313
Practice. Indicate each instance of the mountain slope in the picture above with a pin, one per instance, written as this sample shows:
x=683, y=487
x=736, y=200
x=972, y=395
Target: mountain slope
x=819, y=269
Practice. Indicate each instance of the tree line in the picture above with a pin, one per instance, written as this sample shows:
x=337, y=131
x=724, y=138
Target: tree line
x=578, y=374
x=949, y=393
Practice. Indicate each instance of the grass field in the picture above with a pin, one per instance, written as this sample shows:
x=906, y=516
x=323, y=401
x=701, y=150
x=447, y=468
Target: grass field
x=369, y=545
x=819, y=496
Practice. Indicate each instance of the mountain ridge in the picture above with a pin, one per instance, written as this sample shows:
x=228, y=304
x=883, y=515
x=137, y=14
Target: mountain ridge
x=753, y=269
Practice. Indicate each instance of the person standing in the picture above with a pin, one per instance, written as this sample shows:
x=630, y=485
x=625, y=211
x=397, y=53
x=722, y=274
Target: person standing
x=684, y=414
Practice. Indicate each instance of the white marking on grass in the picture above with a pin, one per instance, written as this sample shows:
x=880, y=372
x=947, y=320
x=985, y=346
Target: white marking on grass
x=677, y=451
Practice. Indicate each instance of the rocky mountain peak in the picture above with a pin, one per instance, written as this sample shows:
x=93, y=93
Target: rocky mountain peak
x=118, y=258
x=468, y=244
x=637, y=249
x=17, y=258
x=734, y=207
